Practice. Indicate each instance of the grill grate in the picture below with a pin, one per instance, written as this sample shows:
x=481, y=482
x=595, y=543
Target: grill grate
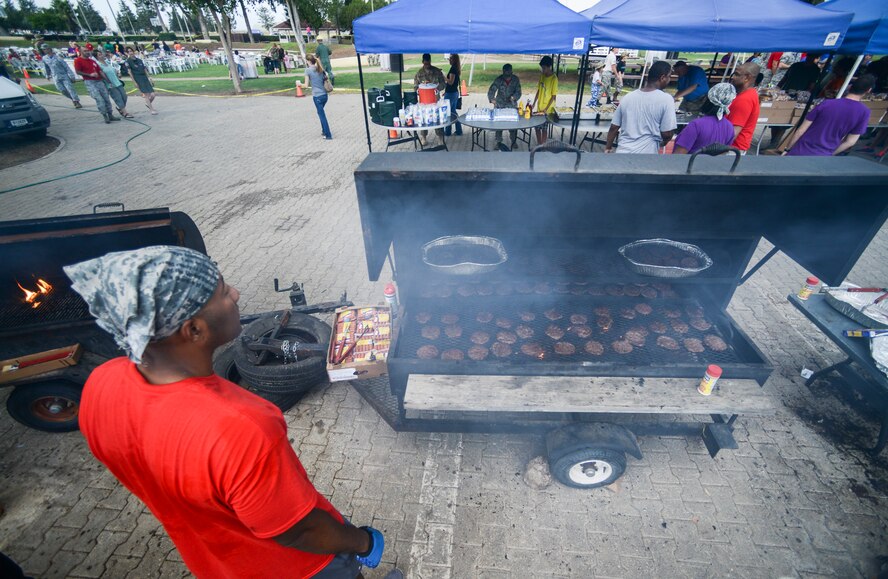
x=649, y=354
x=62, y=305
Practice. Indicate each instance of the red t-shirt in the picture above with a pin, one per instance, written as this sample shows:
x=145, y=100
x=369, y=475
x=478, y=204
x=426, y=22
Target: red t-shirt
x=89, y=66
x=774, y=59
x=212, y=461
x=745, y=113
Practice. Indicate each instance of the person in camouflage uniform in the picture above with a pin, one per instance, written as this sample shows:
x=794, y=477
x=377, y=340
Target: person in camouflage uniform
x=57, y=69
x=504, y=94
x=429, y=74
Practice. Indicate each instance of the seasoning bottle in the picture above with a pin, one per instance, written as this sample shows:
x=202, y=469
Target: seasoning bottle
x=809, y=288
x=390, y=293
x=520, y=109
x=713, y=373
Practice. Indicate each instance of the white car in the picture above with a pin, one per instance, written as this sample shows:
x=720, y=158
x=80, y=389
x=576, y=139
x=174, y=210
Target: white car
x=20, y=113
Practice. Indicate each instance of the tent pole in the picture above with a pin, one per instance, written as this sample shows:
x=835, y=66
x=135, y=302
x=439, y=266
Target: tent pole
x=850, y=75
x=472, y=70
x=584, y=64
x=711, y=67
x=364, y=103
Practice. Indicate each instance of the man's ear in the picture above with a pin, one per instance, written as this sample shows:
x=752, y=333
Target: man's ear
x=193, y=330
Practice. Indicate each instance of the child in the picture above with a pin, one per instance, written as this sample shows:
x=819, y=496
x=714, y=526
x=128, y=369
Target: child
x=595, y=85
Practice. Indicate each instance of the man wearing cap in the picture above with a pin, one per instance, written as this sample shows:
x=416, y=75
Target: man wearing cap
x=211, y=460
x=429, y=74
x=504, y=93
x=61, y=74
x=95, y=79
x=692, y=86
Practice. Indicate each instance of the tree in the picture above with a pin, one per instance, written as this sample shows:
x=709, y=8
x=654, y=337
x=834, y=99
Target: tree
x=90, y=17
x=293, y=14
x=221, y=11
x=48, y=20
x=63, y=9
x=145, y=11
x=247, y=21
x=266, y=18
x=14, y=19
x=126, y=16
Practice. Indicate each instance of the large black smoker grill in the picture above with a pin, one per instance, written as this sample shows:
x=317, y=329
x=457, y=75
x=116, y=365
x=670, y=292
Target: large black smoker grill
x=562, y=227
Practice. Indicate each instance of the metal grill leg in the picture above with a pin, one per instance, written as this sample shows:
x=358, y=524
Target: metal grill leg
x=826, y=371
x=883, y=435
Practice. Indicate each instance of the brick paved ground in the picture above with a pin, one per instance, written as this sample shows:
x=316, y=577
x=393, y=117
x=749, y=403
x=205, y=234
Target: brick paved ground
x=798, y=498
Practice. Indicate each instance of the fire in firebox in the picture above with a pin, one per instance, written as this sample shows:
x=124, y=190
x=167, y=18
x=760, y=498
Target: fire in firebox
x=37, y=296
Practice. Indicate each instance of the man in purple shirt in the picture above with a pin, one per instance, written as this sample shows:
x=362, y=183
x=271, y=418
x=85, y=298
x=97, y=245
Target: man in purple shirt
x=834, y=125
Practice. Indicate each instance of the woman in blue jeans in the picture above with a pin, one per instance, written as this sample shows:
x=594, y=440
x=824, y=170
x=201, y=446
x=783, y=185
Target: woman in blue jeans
x=451, y=90
x=314, y=76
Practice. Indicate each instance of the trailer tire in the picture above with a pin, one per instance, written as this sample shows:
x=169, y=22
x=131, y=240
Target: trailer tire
x=588, y=468
x=275, y=376
x=224, y=366
x=51, y=406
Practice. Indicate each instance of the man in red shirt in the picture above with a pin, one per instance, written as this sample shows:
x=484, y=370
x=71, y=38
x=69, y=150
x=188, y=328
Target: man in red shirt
x=745, y=108
x=211, y=460
x=94, y=79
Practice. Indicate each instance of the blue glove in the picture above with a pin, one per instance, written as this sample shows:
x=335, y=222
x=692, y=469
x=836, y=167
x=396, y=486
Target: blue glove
x=373, y=555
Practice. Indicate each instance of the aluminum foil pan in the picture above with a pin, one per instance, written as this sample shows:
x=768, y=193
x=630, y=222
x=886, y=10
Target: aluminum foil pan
x=685, y=249
x=852, y=305
x=879, y=350
x=465, y=243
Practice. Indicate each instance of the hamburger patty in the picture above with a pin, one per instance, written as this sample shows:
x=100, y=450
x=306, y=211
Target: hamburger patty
x=449, y=318
x=581, y=330
x=423, y=317
x=454, y=331
x=614, y=290
x=466, y=290
x=542, y=288
x=501, y=350
x=578, y=319
x=627, y=313
x=622, y=346
x=693, y=345
x=634, y=337
x=427, y=352
x=700, y=324
x=485, y=289
x=714, y=343
x=504, y=323
x=524, y=332
x=504, y=289
x=605, y=323
x=594, y=348
x=452, y=354
x=632, y=290
x=478, y=352
x=667, y=343
x=526, y=316
x=671, y=313
x=507, y=337
x=644, y=309
x=431, y=332
x=553, y=314
x=648, y=292
x=658, y=328
x=532, y=349
x=484, y=317
x=602, y=311
x=554, y=332
x=565, y=348
x=480, y=338
x=679, y=326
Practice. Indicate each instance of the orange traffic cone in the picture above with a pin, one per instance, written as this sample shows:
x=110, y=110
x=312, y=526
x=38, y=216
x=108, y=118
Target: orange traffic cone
x=463, y=90
x=28, y=81
x=299, y=92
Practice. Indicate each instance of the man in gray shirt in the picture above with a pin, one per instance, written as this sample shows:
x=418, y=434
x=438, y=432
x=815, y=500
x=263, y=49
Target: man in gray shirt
x=645, y=119
x=64, y=78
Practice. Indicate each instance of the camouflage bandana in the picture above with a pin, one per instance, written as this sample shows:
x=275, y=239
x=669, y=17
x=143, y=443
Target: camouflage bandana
x=722, y=95
x=144, y=295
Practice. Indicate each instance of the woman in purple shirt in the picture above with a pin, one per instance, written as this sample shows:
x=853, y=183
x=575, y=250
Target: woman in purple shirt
x=712, y=127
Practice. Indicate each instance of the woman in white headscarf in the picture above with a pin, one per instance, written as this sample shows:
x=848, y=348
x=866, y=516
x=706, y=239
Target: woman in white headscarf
x=713, y=127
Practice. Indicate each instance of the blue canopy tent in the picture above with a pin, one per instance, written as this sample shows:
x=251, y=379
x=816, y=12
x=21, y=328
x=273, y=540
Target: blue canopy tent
x=716, y=25
x=868, y=32
x=469, y=26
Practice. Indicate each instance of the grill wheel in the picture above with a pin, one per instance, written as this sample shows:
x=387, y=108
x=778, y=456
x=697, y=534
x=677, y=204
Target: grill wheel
x=51, y=406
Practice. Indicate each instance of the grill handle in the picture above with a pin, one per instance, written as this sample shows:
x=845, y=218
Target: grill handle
x=713, y=150
x=98, y=206
x=555, y=147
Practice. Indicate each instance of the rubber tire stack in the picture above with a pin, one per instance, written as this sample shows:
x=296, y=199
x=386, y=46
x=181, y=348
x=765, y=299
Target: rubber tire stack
x=281, y=384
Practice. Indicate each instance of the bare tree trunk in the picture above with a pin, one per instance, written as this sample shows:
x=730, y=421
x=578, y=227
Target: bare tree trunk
x=247, y=21
x=204, y=31
x=160, y=16
x=296, y=25
x=225, y=35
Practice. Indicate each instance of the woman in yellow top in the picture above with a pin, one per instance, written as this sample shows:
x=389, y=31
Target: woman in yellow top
x=547, y=90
